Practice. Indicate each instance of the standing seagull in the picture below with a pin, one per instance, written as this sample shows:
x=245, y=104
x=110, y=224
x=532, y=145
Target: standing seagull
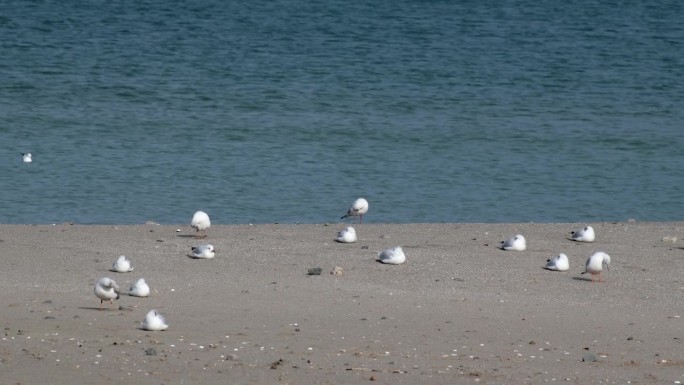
x=200, y=222
x=27, y=157
x=595, y=264
x=357, y=209
x=106, y=289
x=584, y=235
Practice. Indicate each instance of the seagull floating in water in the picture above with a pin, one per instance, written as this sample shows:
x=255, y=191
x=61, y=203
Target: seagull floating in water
x=154, y=321
x=558, y=263
x=392, y=256
x=200, y=222
x=584, y=235
x=595, y=264
x=106, y=289
x=357, y=209
x=517, y=243
x=122, y=265
x=139, y=289
x=202, y=252
x=27, y=157
x=347, y=235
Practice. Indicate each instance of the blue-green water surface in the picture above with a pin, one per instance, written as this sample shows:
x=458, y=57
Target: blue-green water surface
x=287, y=110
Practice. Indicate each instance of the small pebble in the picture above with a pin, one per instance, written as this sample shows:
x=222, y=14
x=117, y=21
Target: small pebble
x=315, y=271
x=151, y=352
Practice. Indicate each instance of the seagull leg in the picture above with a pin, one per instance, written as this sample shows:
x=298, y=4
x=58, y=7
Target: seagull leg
x=101, y=304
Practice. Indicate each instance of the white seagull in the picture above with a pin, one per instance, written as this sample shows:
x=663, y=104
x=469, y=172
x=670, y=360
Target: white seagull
x=595, y=264
x=27, y=157
x=347, y=235
x=122, y=265
x=517, y=243
x=106, y=289
x=392, y=256
x=202, y=252
x=584, y=235
x=200, y=222
x=357, y=209
x=154, y=321
x=139, y=289
x=558, y=263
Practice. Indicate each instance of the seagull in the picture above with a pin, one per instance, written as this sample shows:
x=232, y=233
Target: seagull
x=154, y=321
x=584, y=235
x=106, y=289
x=357, y=209
x=122, y=265
x=558, y=263
x=392, y=256
x=202, y=252
x=27, y=157
x=516, y=243
x=200, y=222
x=347, y=235
x=595, y=264
x=139, y=289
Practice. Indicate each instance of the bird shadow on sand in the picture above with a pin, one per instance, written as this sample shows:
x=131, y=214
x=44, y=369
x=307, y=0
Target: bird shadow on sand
x=587, y=279
x=555, y=271
x=98, y=309
x=188, y=236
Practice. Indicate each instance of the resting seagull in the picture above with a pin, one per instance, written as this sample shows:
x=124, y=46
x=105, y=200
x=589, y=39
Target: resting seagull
x=558, y=263
x=392, y=256
x=584, y=235
x=517, y=243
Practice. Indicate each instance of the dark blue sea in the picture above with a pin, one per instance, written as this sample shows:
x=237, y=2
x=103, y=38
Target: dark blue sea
x=288, y=110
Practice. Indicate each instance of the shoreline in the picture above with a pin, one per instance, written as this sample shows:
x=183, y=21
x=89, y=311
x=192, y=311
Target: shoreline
x=460, y=310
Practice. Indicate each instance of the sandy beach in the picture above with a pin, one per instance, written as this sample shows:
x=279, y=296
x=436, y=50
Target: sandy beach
x=459, y=310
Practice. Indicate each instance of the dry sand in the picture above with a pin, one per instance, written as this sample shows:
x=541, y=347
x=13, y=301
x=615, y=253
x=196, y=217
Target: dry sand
x=458, y=311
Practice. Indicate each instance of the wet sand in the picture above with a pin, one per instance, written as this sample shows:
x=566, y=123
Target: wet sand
x=460, y=310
